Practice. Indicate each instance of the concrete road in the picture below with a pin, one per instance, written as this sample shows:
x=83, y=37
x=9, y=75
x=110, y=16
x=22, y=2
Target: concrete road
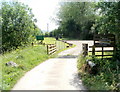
x=55, y=74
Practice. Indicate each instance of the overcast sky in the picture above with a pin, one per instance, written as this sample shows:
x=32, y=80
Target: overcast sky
x=44, y=11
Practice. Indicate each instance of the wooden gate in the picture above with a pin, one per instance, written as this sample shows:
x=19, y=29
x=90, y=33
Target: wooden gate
x=103, y=43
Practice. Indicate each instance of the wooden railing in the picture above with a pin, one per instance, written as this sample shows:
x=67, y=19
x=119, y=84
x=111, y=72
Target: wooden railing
x=51, y=48
x=103, y=43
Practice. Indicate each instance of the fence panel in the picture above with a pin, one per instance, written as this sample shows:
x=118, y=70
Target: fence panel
x=51, y=48
x=103, y=43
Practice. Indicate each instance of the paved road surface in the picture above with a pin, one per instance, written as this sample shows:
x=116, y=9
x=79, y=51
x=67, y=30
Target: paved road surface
x=55, y=74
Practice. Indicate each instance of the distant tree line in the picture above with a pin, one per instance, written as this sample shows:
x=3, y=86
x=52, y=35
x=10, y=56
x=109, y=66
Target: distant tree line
x=18, y=25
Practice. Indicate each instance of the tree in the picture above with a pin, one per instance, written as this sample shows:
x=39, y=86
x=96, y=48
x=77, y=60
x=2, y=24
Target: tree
x=17, y=25
x=76, y=19
x=109, y=21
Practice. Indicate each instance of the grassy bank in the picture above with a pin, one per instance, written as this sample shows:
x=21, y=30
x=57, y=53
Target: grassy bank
x=26, y=58
x=107, y=77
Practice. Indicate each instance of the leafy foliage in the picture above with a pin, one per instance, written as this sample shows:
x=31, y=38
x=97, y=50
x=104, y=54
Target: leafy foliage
x=75, y=19
x=110, y=16
x=109, y=20
x=17, y=25
x=107, y=77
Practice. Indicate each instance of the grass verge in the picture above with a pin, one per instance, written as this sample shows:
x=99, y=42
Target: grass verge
x=26, y=58
x=107, y=77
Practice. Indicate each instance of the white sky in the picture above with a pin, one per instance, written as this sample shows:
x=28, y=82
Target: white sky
x=44, y=11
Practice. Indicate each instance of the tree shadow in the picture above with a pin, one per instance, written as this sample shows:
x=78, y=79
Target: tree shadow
x=77, y=82
x=68, y=56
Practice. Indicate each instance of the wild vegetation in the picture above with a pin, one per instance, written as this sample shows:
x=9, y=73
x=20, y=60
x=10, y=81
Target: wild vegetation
x=107, y=74
x=108, y=21
x=18, y=25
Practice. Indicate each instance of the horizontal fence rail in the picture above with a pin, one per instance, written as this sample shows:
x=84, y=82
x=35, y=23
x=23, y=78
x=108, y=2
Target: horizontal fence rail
x=104, y=46
x=51, y=48
x=101, y=42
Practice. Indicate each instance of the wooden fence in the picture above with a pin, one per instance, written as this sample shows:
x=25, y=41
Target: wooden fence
x=51, y=48
x=102, y=43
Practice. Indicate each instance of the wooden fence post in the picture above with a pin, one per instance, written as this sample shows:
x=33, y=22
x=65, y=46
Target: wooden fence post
x=102, y=52
x=93, y=50
x=47, y=49
x=85, y=49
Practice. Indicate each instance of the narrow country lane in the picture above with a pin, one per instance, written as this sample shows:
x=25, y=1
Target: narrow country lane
x=55, y=74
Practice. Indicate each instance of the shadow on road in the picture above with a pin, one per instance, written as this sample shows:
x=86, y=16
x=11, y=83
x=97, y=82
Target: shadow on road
x=68, y=56
x=77, y=83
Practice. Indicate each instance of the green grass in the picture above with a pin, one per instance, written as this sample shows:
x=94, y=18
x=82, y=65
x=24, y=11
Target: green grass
x=100, y=53
x=107, y=77
x=59, y=44
x=26, y=58
x=49, y=40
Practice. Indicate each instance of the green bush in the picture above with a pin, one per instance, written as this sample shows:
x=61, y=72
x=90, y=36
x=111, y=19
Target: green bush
x=107, y=77
x=18, y=25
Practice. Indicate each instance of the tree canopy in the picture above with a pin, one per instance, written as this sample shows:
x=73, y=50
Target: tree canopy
x=18, y=25
x=82, y=20
x=75, y=19
x=109, y=20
